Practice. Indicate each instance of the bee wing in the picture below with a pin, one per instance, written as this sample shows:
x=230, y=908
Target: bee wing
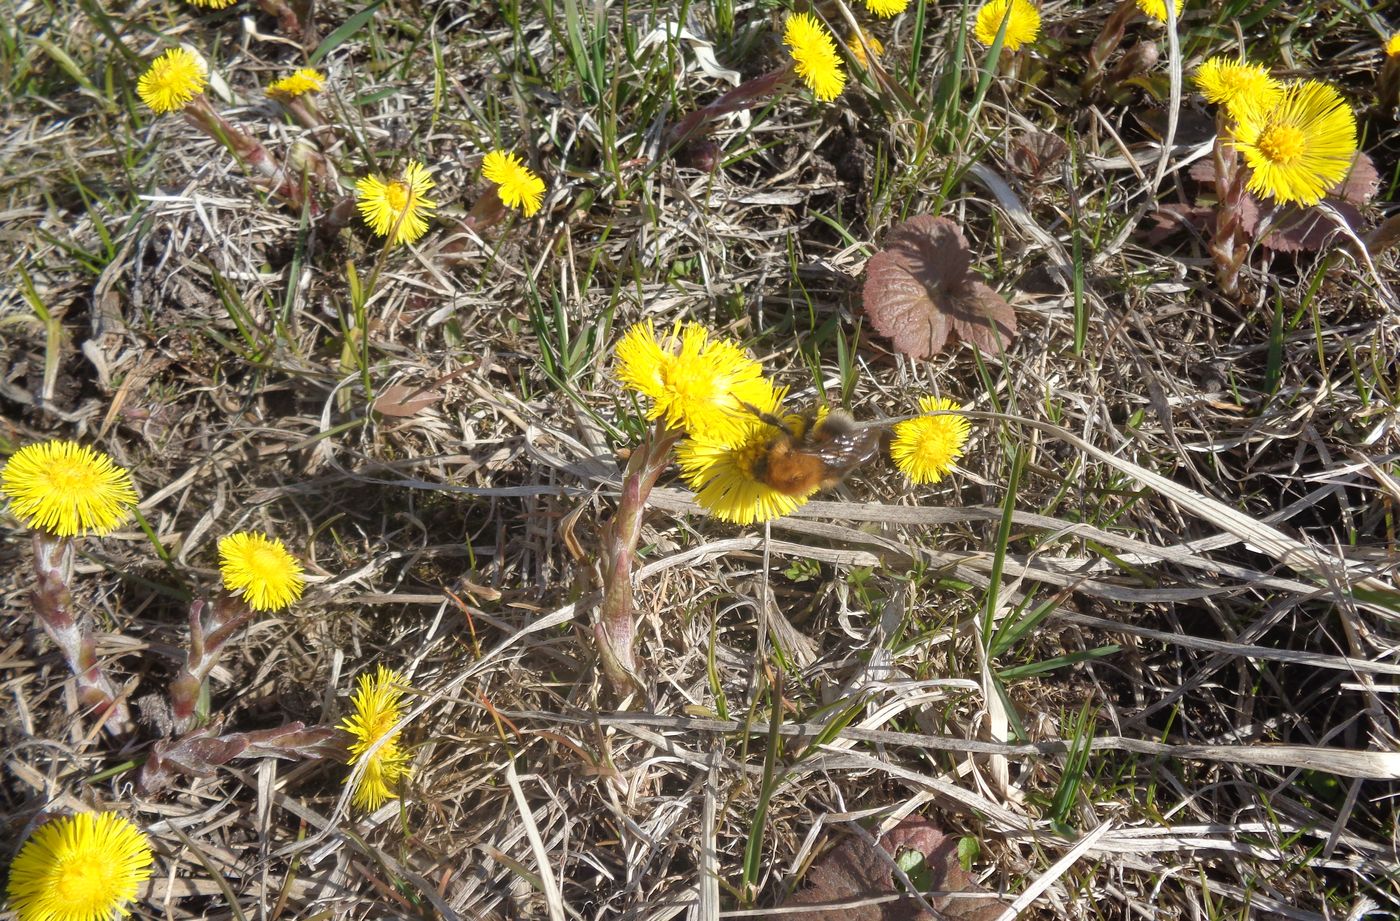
x=844, y=450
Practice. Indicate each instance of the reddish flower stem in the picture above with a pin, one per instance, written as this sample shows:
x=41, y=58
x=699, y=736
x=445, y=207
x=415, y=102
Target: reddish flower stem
x=269, y=173
x=1228, y=247
x=616, y=628
x=211, y=626
x=70, y=631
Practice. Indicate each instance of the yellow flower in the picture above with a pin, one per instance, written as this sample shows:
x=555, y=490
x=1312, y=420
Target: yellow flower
x=172, y=81
x=722, y=474
x=84, y=867
x=1301, y=145
x=886, y=8
x=377, y=707
x=926, y=447
x=67, y=489
x=213, y=4
x=1021, y=29
x=301, y=82
x=1237, y=85
x=517, y=185
x=695, y=384
x=260, y=569
x=1392, y=45
x=858, y=51
x=814, y=57
x=397, y=206
x=1157, y=9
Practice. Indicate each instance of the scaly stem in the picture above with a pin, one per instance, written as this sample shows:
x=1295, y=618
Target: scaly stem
x=209, y=630
x=72, y=632
x=615, y=631
x=1227, y=244
x=252, y=154
x=1104, y=46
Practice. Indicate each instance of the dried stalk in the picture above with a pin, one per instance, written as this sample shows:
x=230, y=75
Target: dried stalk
x=616, y=627
x=71, y=631
x=1104, y=46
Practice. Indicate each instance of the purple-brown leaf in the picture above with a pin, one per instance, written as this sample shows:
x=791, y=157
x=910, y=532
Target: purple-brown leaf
x=401, y=401
x=920, y=292
x=857, y=871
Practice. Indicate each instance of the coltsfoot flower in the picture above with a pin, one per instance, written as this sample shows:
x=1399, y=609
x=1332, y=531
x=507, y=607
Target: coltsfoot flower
x=1392, y=45
x=1299, y=146
x=517, y=185
x=67, y=489
x=84, y=867
x=260, y=569
x=886, y=8
x=702, y=385
x=298, y=83
x=1021, y=29
x=926, y=447
x=1237, y=85
x=1157, y=9
x=172, y=81
x=397, y=206
x=877, y=48
x=814, y=55
x=377, y=706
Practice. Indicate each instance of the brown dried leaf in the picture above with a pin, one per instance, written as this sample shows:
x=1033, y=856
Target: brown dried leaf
x=919, y=292
x=401, y=401
x=856, y=870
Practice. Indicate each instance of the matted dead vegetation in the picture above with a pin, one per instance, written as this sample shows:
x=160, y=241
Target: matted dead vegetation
x=1136, y=656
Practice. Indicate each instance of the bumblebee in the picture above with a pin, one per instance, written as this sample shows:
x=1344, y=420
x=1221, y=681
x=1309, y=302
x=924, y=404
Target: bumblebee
x=822, y=453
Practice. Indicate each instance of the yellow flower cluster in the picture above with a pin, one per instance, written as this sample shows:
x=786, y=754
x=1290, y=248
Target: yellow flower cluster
x=261, y=570
x=517, y=185
x=397, y=209
x=298, y=83
x=172, y=81
x=1022, y=23
x=84, y=867
x=814, y=57
x=67, y=489
x=376, y=708
x=1298, y=138
x=737, y=431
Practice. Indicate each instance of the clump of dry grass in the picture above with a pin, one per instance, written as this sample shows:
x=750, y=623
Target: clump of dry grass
x=1137, y=650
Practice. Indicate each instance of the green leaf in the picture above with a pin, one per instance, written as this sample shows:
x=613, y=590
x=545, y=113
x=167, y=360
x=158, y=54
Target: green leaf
x=341, y=35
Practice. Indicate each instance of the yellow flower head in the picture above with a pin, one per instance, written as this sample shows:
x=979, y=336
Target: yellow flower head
x=377, y=707
x=814, y=55
x=926, y=447
x=213, y=4
x=1301, y=145
x=858, y=51
x=722, y=475
x=260, y=569
x=886, y=8
x=1392, y=45
x=84, y=867
x=1021, y=29
x=67, y=489
x=397, y=206
x=1157, y=9
x=300, y=83
x=517, y=185
x=695, y=383
x=1237, y=85
x=172, y=81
